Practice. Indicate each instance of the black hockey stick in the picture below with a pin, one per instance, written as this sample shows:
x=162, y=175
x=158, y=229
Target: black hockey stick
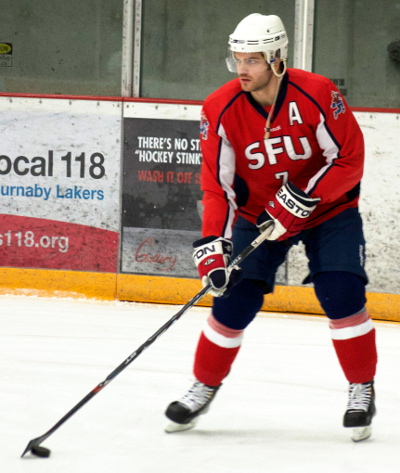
x=33, y=445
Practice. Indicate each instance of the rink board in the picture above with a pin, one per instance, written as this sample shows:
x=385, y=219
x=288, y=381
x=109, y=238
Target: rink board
x=166, y=290
x=85, y=214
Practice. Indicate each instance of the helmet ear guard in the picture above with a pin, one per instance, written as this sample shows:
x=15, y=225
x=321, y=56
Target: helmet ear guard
x=259, y=33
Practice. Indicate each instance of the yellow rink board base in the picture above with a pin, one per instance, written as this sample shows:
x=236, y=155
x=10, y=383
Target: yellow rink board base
x=57, y=283
x=293, y=299
x=165, y=290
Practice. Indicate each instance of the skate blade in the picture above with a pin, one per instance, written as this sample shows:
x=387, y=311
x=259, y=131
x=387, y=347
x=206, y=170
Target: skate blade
x=361, y=433
x=175, y=427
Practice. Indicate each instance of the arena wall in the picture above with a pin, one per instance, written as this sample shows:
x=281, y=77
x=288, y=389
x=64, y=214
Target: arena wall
x=100, y=198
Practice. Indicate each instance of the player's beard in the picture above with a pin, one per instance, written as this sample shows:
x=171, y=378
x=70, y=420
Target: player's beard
x=257, y=84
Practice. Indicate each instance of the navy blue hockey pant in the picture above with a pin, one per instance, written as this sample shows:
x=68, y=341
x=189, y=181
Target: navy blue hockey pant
x=335, y=251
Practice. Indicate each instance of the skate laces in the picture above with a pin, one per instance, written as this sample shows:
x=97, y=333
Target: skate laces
x=197, y=396
x=359, y=397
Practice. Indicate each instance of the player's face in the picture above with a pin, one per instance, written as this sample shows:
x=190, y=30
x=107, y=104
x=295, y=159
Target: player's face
x=253, y=70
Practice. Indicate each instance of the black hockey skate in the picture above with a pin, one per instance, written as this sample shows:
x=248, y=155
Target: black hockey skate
x=360, y=410
x=185, y=413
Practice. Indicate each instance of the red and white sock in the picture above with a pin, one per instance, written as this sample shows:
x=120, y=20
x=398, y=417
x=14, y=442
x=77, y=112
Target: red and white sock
x=354, y=341
x=216, y=350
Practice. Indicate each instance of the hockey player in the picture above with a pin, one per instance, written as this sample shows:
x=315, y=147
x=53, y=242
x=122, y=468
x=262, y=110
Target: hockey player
x=282, y=153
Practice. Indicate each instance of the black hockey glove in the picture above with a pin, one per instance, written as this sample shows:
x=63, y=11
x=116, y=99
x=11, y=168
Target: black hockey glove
x=212, y=256
x=289, y=211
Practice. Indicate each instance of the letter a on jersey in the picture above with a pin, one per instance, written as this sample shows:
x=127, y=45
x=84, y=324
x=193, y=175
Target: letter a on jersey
x=294, y=113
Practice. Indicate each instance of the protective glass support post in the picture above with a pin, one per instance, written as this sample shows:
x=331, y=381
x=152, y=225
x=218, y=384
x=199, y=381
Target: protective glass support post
x=127, y=48
x=303, y=34
x=137, y=48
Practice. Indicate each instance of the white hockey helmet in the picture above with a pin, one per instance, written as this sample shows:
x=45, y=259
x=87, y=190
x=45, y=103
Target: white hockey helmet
x=259, y=33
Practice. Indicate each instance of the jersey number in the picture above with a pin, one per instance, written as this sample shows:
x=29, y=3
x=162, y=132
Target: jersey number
x=284, y=176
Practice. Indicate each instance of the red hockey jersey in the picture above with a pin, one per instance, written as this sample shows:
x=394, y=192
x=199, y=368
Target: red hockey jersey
x=315, y=143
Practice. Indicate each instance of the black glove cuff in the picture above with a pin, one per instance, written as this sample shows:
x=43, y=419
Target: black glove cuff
x=203, y=241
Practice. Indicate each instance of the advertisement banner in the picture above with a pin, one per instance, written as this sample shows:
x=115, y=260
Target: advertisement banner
x=59, y=183
x=161, y=205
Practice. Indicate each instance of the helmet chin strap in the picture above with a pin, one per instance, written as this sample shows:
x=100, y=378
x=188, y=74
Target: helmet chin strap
x=278, y=86
x=279, y=75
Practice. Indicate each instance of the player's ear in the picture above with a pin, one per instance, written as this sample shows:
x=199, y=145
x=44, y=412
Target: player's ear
x=278, y=62
x=278, y=65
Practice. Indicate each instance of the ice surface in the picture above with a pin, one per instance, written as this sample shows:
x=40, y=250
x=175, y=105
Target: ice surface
x=279, y=411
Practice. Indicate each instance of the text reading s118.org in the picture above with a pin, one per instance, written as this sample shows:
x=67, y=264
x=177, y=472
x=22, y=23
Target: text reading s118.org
x=29, y=239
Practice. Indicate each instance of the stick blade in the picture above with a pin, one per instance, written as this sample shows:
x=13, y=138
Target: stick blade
x=32, y=443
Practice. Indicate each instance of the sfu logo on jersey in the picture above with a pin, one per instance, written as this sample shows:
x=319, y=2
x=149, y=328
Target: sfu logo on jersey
x=275, y=147
x=337, y=104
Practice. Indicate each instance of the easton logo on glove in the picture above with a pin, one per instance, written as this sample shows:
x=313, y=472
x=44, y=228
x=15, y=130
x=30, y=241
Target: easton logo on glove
x=287, y=214
x=301, y=207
